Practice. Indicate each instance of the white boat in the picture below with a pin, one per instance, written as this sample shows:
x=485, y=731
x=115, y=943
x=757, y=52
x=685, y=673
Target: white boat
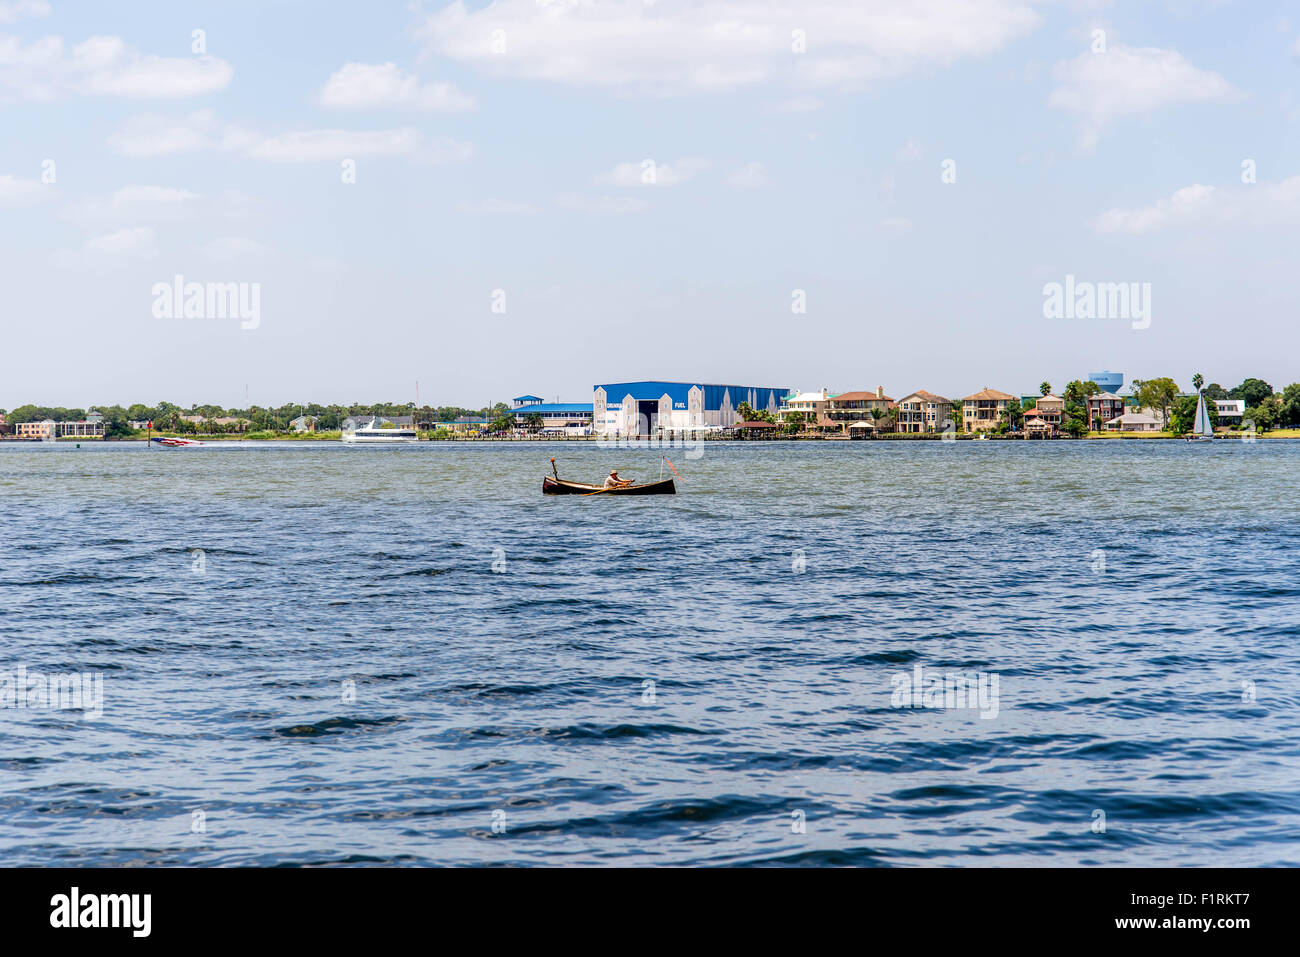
x=175, y=443
x=372, y=433
x=1202, y=430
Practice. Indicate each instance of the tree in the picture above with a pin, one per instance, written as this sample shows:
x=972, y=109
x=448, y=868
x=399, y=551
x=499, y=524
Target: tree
x=1156, y=394
x=1215, y=391
x=1078, y=390
x=1254, y=391
x=533, y=420
x=1289, y=409
x=1014, y=416
x=794, y=421
x=1075, y=427
x=1044, y=388
x=1263, y=416
x=1198, y=380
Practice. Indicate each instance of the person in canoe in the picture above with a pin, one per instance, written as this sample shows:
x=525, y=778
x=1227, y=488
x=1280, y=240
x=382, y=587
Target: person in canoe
x=615, y=482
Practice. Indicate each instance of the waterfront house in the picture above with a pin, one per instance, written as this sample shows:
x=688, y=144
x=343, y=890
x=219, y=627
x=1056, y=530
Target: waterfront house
x=44, y=429
x=91, y=427
x=1049, y=410
x=813, y=406
x=304, y=423
x=1231, y=411
x=983, y=411
x=1102, y=407
x=850, y=407
x=1133, y=422
x=922, y=412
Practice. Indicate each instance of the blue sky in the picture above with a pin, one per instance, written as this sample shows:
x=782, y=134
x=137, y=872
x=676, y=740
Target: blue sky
x=513, y=161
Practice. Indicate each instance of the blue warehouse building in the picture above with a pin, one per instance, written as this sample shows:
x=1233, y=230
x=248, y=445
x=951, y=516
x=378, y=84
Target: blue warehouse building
x=654, y=407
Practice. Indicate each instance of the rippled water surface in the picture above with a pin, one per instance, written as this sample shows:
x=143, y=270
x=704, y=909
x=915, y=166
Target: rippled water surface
x=1136, y=601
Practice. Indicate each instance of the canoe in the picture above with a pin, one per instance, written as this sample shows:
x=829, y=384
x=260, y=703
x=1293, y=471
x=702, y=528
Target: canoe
x=552, y=486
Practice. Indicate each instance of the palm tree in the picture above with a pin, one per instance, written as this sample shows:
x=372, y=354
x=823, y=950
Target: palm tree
x=1044, y=388
x=1198, y=380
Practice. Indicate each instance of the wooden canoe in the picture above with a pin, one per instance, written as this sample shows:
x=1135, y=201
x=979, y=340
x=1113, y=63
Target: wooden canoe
x=552, y=486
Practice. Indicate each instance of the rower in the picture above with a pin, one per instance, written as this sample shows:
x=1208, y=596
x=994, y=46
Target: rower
x=614, y=481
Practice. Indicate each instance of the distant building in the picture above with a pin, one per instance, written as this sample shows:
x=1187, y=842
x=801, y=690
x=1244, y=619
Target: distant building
x=1107, y=381
x=87, y=428
x=35, y=430
x=304, y=423
x=473, y=424
x=1231, y=411
x=983, y=411
x=1133, y=422
x=813, y=406
x=522, y=400
x=653, y=407
x=851, y=407
x=569, y=418
x=1102, y=407
x=1048, y=414
x=922, y=412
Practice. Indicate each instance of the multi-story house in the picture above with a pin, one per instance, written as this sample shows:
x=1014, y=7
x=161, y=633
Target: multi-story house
x=1048, y=412
x=812, y=405
x=1231, y=411
x=983, y=411
x=1102, y=407
x=35, y=430
x=849, y=407
x=922, y=412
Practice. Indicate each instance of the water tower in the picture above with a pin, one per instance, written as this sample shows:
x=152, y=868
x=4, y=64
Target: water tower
x=1108, y=381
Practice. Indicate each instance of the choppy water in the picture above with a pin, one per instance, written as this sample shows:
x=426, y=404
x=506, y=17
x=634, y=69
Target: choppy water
x=1124, y=691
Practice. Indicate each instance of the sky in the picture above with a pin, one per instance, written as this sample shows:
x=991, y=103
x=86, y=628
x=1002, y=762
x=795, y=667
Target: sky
x=534, y=196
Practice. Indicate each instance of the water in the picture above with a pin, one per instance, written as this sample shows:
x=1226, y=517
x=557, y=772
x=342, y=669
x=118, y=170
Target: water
x=518, y=698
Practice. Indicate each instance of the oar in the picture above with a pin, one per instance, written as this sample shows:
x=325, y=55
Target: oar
x=612, y=488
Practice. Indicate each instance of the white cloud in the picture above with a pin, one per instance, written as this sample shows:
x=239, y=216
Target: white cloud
x=151, y=135
x=134, y=205
x=135, y=242
x=308, y=146
x=14, y=10
x=377, y=86
x=1126, y=81
x=798, y=104
x=21, y=192
x=649, y=173
x=675, y=46
x=102, y=66
x=750, y=176
x=234, y=248
x=497, y=207
x=601, y=204
x=1199, y=207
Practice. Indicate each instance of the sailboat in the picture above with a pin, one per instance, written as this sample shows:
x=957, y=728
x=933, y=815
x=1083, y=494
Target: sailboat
x=1202, y=430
